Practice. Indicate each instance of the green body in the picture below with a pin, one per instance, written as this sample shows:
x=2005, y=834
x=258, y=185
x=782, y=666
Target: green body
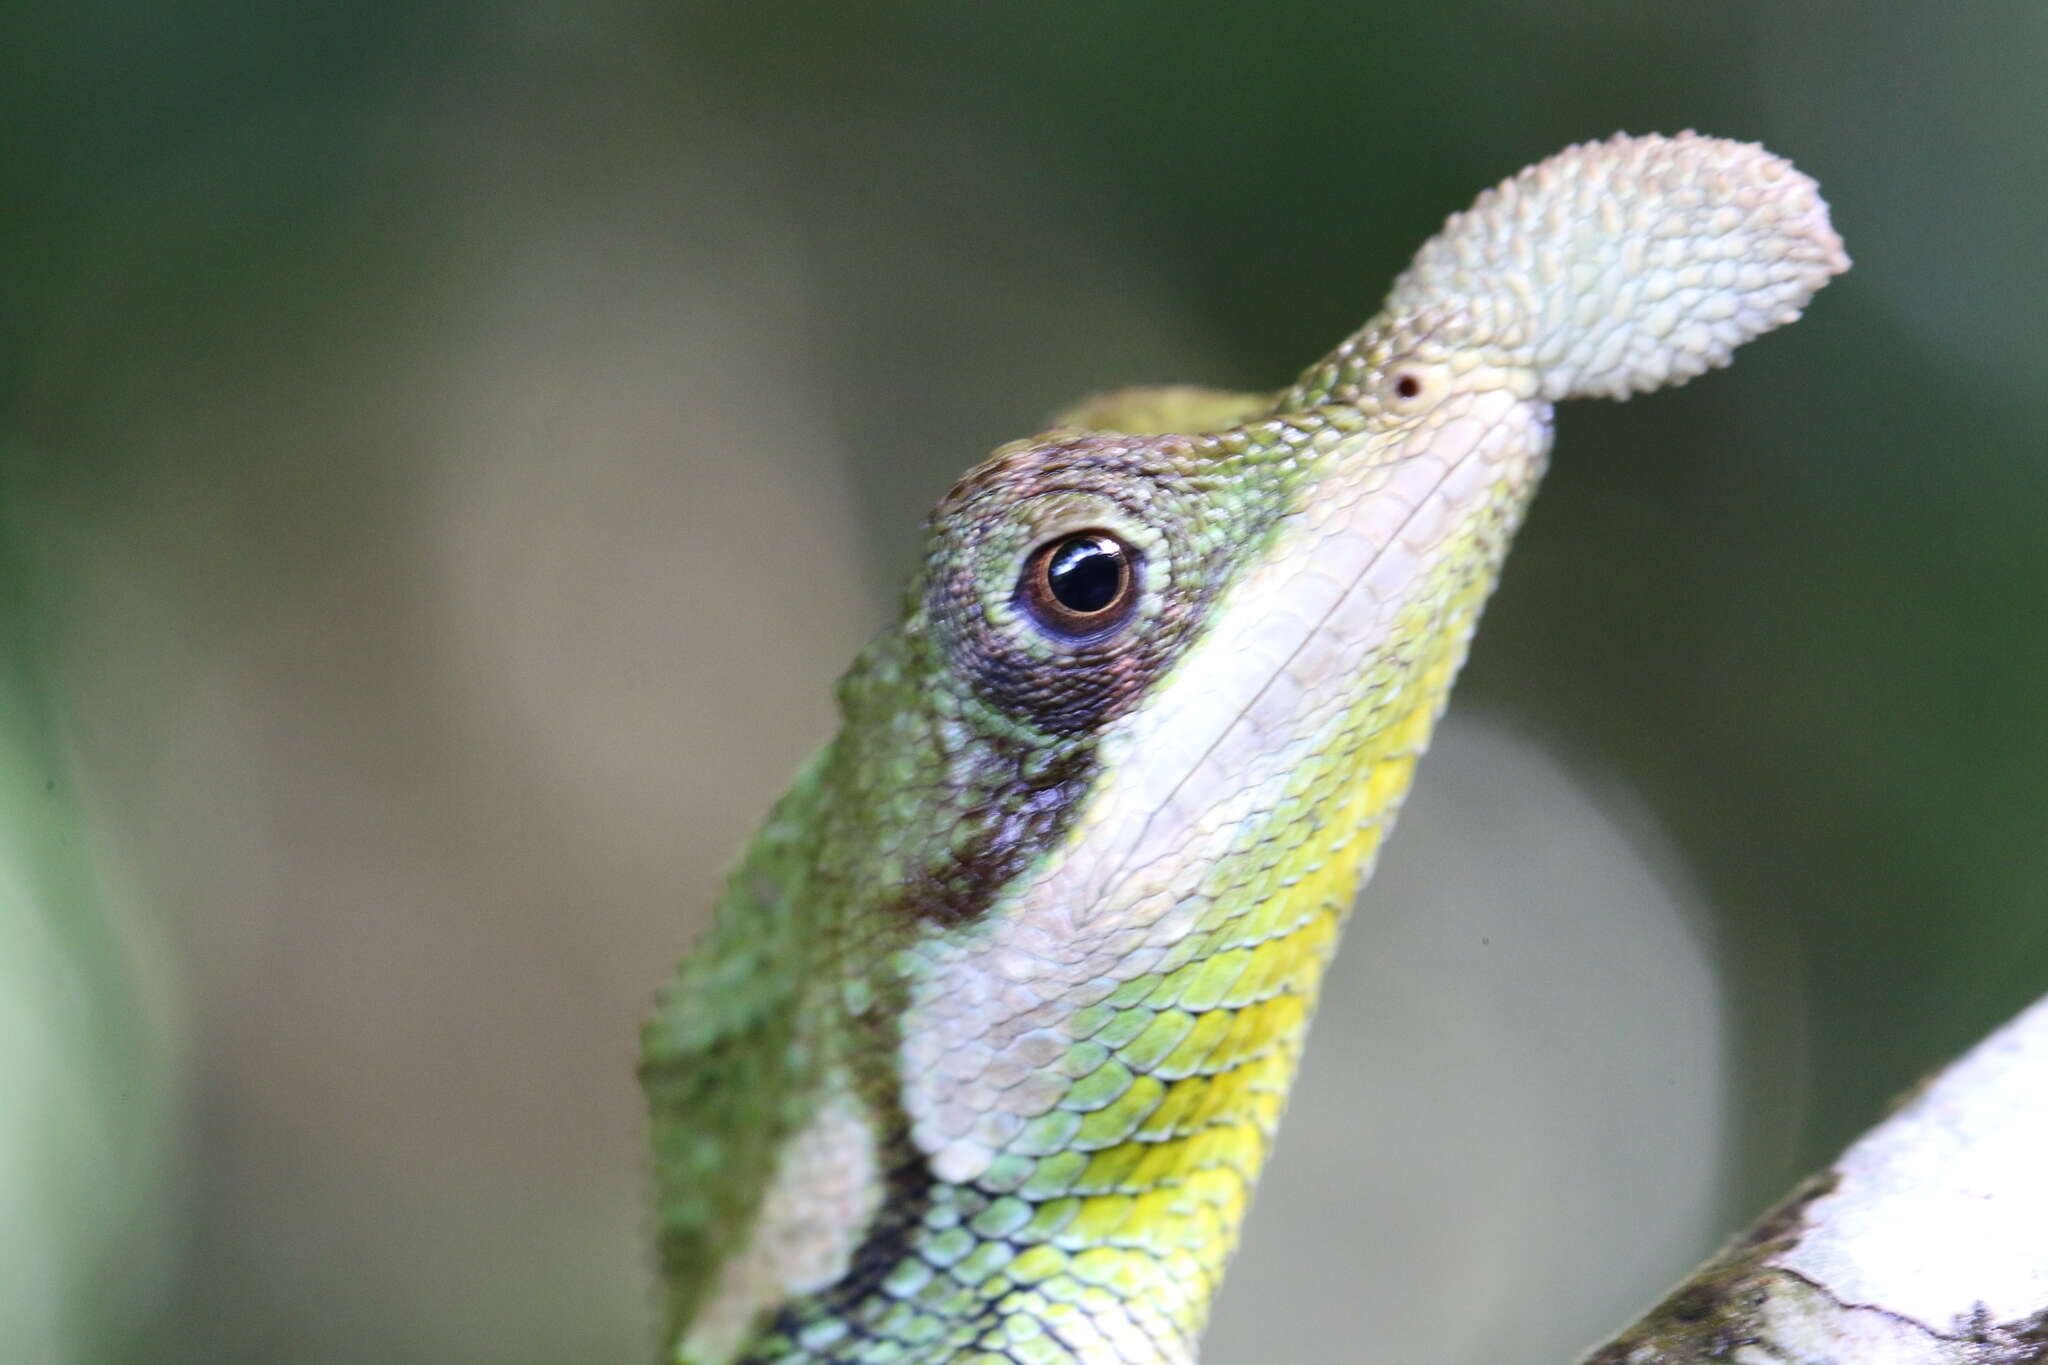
x=983, y=1053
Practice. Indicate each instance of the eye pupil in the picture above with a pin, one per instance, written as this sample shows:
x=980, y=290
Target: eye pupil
x=1080, y=587
x=1086, y=574
x=1408, y=386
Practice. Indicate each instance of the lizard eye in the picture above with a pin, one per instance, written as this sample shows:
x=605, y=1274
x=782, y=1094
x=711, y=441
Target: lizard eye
x=1080, y=586
x=1050, y=584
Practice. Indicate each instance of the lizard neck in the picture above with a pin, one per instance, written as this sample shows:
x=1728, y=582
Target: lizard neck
x=1100, y=1229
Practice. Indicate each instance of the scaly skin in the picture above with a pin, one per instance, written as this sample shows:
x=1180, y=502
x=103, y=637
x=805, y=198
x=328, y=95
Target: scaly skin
x=983, y=1053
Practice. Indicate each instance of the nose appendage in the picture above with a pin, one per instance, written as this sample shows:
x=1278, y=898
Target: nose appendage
x=1618, y=267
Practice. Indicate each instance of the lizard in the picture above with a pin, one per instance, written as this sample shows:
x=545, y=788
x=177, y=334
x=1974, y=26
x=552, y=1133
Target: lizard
x=986, y=1044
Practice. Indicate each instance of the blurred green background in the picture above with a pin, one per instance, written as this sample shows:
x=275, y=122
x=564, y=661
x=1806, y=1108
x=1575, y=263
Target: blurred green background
x=446, y=451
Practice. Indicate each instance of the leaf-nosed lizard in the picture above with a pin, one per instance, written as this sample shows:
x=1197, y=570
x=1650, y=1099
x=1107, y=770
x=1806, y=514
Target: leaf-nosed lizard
x=983, y=1052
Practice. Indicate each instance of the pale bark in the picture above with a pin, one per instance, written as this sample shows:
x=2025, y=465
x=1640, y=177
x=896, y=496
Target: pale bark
x=1926, y=1243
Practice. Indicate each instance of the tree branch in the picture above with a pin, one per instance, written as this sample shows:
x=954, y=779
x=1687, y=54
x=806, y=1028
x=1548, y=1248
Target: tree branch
x=1926, y=1243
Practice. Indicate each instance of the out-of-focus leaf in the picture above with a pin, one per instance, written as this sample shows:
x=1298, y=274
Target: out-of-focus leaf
x=85, y=1073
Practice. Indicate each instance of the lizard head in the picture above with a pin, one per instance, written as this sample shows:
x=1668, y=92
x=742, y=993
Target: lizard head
x=1104, y=796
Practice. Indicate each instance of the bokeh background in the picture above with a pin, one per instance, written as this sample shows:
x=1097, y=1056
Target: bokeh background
x=446, y=451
